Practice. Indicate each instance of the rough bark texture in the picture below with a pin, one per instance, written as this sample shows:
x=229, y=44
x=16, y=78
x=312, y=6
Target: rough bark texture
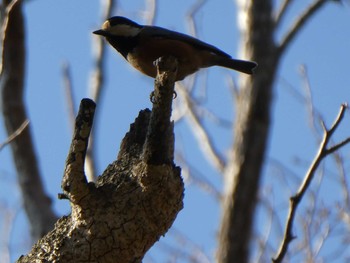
x=36, y=202
x=132, y=204
x=242, y=175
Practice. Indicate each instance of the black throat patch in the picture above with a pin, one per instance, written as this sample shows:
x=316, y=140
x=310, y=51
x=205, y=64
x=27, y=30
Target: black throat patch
x=123, y=44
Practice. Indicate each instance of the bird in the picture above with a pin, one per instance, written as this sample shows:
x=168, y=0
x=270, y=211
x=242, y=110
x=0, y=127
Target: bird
x=143, y=45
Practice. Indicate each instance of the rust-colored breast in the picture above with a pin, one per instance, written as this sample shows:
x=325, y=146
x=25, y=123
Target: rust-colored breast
x=149, y=49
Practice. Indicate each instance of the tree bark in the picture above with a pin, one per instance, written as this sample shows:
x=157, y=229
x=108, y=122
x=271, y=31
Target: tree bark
x=133, y=203
x=251, y=131
x=242, y=175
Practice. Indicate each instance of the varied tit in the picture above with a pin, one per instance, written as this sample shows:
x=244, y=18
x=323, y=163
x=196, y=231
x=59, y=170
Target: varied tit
x=142, y=45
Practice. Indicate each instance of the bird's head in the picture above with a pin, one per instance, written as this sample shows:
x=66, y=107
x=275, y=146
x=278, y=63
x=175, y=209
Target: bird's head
x=119, y=26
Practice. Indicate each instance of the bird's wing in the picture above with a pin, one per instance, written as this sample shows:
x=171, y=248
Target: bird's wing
x=163, y=33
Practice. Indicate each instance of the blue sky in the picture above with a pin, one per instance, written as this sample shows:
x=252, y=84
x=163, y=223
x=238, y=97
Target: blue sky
x=60, y=32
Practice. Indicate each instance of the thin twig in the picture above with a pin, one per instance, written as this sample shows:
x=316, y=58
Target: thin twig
x=15, y=134
x=311, y=216
x=151, y=11
x=324, y=235
x=233, y=88
x=282, y=11
x=339, y=161
x=295, y=200
x=203, y=138
x=267, y=201
x=191, y=14
x=5, y=21
x=8, y=217
x=96, y=86
x=314, y=115
x=306, y=100
x=299, y=23
x=97, y=75
x=68, y=88
x=193, y=31
x=337, y=146
x=202, y=111
x=292, y=90
x=183, y=249
x=193, y=175
x=196, y=252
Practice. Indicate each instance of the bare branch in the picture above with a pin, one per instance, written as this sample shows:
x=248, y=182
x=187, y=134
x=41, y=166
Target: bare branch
x=196, y=252
x=68, y=88
x=36, y=202
x=97, y=75
x=338, y=119
x=343, y=179
x=151, y=11
x=282, y=11
x=184, y=249
x=213, y=117
x=193, y=175
x=232, y=85
x=263, y=239
x=314, y=115
x=337, y=146
x=15, y=134
x=296, y=199
x=193, y=30
x=203, y=138
x=293, y=91
x=96, y=86
x=4, y=25
x=191, y=14
x=8, y=217
x=299, y=23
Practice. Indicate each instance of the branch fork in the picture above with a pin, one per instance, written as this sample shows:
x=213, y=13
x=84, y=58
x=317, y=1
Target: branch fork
x=295, y=200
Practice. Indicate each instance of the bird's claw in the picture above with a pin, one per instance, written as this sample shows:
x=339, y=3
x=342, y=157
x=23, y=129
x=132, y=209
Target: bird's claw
x=153, y=100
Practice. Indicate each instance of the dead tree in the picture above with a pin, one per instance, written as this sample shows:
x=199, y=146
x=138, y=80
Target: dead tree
x=133, y=203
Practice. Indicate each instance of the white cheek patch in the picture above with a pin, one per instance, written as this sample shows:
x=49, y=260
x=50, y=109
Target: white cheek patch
x=124, y=30
x=106, y=25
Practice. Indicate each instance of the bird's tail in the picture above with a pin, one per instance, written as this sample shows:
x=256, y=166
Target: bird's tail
x=235, y=64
